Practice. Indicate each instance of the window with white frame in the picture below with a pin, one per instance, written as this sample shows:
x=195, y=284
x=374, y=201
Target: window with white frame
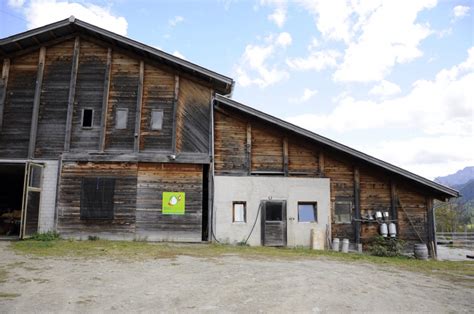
x=239, y=212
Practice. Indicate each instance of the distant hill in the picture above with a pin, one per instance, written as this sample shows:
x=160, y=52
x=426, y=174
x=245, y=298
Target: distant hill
x=457, y=179
x=466, y=190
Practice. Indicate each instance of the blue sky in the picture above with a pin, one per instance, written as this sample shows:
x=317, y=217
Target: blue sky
x=391, y=78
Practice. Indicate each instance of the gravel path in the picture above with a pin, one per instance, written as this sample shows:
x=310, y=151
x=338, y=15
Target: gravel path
x=219, y=285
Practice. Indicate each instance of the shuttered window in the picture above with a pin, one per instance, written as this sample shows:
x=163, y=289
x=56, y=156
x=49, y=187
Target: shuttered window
x=97, y=198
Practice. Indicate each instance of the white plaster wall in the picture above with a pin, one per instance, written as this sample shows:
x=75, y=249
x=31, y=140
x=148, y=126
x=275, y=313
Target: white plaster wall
x=48, y=195
x=253, y=189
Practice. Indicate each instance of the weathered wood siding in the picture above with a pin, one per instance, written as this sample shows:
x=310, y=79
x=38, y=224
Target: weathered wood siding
x=158, y=93
x=53, y=101
x=89, y=95
x=69, y=200
x=15, y=133
x=193, y=116
x=153, y=180
x=123, y=95
x=307, y=158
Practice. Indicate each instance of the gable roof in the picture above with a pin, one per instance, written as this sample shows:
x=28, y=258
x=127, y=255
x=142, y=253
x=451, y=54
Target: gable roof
x=35, y=37
x=444, y=190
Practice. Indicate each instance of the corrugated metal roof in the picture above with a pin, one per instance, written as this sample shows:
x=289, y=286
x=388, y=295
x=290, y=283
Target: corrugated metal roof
x=38, y=36
x=337, y=146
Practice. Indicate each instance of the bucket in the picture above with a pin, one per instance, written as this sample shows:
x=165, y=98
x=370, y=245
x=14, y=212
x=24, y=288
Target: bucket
x=421, y=251
x=335, y=244
x=345, y=246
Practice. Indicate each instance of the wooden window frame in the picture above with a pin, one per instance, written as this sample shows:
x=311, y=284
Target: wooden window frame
x=92, y=118
x=126, y=120
x=245, y=212
x=351, y=203
x=151, y=119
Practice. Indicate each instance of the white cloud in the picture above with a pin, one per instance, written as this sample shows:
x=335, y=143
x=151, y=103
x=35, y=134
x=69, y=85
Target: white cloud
x=254, y=67
x=278, y=16
x=385, y=89
x=317, y=60
x=178, y=54
x=16, y=3
x=175, y=21
x=42, y=12
x=441, y=110
x=307, y=95
x=460, y=11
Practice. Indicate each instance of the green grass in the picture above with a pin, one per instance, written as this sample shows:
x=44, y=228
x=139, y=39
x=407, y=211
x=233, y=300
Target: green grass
x=9, y=296
x=462, y=272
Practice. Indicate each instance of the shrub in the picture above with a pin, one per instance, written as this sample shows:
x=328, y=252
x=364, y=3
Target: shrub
x=46, y=236
x=93, y=238
x=388, y=247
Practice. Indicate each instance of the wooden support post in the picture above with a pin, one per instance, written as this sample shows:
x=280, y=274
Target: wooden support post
x=393, y=202
x=285, y=156
x=175, y=113
x=105, y=101
x=357, y=204
x=3, y=86
x=72, y=93
x=138, y=115
x=431, y=227
x=248, y=148
x=321, y=164
x=36, y=103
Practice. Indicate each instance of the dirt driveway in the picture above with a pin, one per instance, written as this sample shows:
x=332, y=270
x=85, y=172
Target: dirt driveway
x=221, y=284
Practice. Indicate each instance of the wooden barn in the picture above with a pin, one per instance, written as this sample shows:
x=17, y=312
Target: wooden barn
x=104, y=136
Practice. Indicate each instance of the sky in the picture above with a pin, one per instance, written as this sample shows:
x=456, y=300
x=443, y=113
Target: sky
x=391, y=78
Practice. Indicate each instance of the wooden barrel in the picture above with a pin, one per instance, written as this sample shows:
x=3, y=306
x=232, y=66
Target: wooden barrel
x=421, y=251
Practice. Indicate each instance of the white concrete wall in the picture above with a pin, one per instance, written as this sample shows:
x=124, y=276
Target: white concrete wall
x=48, y=196
x=254, y=189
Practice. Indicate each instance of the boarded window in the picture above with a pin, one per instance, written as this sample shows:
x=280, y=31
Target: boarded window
x=97, y=198
x=307, y=212
x=156, y=119
x=239, y=212
x=121, y=116
x=342, y=211
x=273, y=211
x=87, y=118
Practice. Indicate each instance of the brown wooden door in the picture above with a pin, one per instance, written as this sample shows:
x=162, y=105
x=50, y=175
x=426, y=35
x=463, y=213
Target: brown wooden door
x=274, y=223
x=31, y=199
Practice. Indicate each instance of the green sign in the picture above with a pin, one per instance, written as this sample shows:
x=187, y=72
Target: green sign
x=174, y=203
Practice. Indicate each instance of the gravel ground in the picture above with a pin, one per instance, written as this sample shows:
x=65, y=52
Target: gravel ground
x=454, y=254
x=223, y=284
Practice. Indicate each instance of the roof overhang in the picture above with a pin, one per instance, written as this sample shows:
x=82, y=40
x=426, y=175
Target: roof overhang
x=439, y=188
x=42, y=35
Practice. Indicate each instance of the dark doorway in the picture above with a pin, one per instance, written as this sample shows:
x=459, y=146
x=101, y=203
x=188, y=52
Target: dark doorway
x=205, y=203
x=11, y=198
x=274, y=223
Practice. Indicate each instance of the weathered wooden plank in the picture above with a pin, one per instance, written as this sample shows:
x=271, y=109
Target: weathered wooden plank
x=72, y=92
x=138, y=109
x=3, y=88
x=36, y=103
x=175, y=112
x=321, y=163
x=285, y=156
x=105, y=99
x=357, y=204
x=393, y=200
x=248, y=147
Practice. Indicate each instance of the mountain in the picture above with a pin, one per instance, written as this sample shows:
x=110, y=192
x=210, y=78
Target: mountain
x=457, y=179
x=466, y=190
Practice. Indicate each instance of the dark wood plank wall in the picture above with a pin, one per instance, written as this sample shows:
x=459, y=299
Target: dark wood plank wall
x=17, y=111
x=158, y=93
x=310, y=159
x=153, y=180
x=89, y=95
x=53, y=101
x=123, y=95
x=69, y=198
x=192, y=117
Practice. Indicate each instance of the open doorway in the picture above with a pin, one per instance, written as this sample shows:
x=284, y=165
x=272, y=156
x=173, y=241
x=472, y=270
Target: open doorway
x=11, y=198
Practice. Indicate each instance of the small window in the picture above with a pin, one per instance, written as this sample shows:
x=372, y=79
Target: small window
x=239, y=212
x=121, y=116
x=87, y=118
x=342, y=211
x=156, y=119
x=97, y=198
x=307, y=212
x=273, y=211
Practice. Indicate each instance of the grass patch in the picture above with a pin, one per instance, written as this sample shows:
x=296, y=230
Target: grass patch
x=462, y=272
x=9, y=296
x=3, y=275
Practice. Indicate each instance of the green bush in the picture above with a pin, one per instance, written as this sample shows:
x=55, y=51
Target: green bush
x=93, y=238
x=388, y=247
x=46, y=236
